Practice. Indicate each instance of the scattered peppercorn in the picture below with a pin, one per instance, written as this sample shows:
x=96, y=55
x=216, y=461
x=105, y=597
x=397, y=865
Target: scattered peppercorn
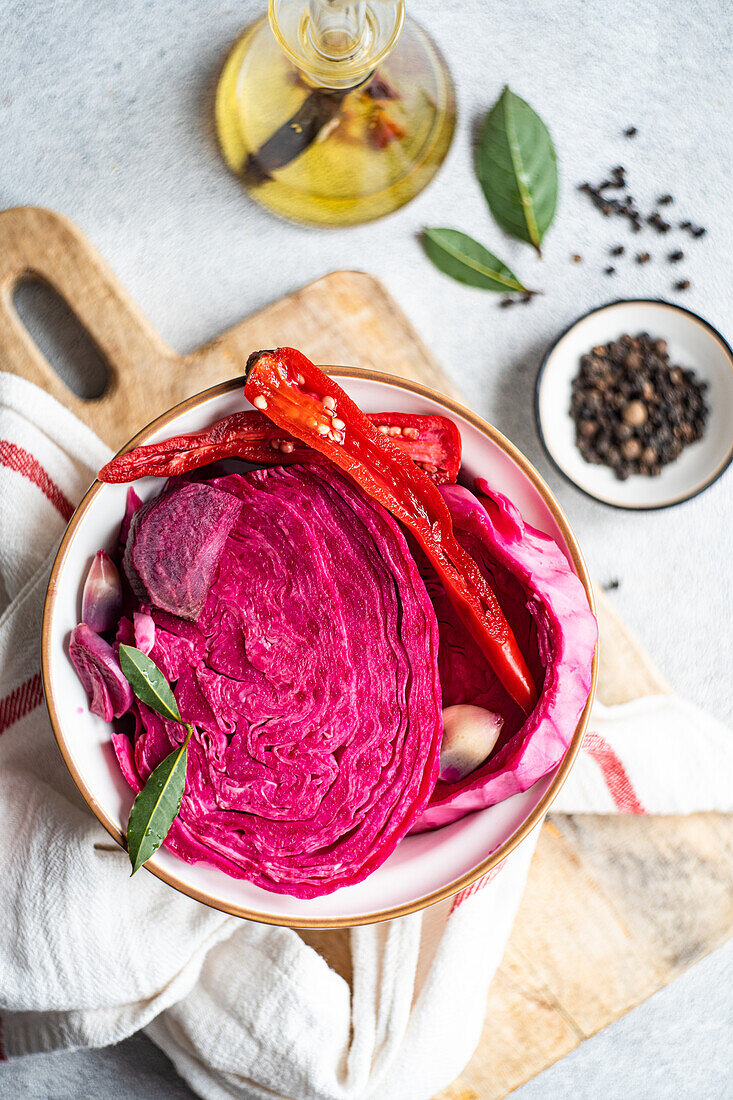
x=683, y=284
x=657, y=222
x=609, y=270
x=643, y=257
x=631, y=131
x=633, y=410
x=523, y=300
x=696, y=231
x=623, y=208
x=675, y=257
x=576, y=258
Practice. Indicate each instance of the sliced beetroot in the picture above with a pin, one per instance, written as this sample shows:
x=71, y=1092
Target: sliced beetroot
x=138, y=588
x=110, y=695
x=132, y=503
x=174, y=546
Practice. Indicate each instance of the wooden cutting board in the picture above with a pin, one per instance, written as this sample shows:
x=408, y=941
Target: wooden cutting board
x=615, y=907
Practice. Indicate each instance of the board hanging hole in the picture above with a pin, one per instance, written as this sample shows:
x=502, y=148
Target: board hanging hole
x=61, y=338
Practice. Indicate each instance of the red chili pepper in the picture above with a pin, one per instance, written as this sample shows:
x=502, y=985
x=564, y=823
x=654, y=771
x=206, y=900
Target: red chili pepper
x=433, y=442
x=304, y=401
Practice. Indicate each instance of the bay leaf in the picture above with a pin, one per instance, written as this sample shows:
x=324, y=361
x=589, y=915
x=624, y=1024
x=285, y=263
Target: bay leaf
x=464, y=259
x=148, y=682
x=156, y=806
x=516, y=165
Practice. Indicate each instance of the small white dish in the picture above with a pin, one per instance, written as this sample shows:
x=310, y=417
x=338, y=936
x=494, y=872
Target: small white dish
x=424, y=868
x=692, y=343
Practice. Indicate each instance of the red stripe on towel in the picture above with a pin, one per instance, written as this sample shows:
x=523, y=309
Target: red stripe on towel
x=20, y=702
x=17, y=458
x=617, y=781
x=475, y=887
x=614, y=773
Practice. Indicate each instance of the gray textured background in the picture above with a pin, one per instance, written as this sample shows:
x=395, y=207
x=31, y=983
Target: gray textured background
x=106, y=115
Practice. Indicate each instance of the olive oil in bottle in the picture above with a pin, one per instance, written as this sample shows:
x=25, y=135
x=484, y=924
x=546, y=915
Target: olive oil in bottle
x=335, y=113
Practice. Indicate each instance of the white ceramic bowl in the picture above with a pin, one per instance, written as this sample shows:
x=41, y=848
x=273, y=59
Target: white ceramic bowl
x=424, y=868
x=692, y=343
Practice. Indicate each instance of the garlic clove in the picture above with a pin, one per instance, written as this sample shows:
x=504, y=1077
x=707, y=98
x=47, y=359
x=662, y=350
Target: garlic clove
x=469, y=735
x=101, y=601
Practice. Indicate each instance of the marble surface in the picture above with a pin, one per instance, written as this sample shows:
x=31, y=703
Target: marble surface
x=106, y=115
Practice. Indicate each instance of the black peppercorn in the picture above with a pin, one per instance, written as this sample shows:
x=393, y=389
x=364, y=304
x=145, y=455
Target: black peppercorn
x=657, y=222
x=633, y=410
x=693, y=230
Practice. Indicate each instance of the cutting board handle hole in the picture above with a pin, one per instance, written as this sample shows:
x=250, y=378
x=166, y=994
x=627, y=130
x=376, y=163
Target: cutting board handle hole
x=62, y=339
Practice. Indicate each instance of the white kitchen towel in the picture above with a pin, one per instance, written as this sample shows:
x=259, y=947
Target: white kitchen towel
x=89, y=955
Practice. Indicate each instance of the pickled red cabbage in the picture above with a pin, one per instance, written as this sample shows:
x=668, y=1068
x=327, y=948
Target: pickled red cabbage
x=547, y=608
x=311, y=675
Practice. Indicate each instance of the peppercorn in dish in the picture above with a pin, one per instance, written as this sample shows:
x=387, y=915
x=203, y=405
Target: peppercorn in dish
x=633, y=410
